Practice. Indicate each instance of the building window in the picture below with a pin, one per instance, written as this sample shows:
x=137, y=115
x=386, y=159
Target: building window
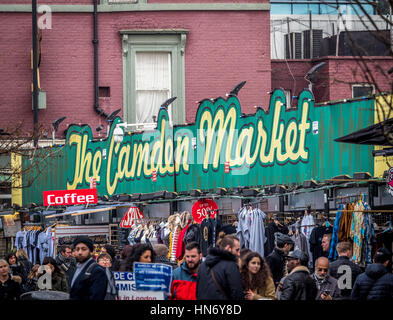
x=153, y=71
x=288, y=98
x=362, y=90
x=152, y=84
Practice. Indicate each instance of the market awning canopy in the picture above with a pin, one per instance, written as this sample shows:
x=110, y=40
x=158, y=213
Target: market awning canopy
x=372, y=135
x=99, y=208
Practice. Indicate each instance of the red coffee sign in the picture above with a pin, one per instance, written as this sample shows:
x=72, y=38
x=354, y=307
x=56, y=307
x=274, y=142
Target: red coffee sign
x=202, y=208
x=70, y=197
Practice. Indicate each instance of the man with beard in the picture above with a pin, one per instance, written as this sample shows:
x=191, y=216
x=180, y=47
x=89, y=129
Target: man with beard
x=326, y=284
x=298, y=285
x=66, y=262
x=184, y=277
x=89, y=281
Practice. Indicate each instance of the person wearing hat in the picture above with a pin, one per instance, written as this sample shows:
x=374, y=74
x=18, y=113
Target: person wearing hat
x=376, y=283
x=298, y=285
x=89, y=281
x=276, y=260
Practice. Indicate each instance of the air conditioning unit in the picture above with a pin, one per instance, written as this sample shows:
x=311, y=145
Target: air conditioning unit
x=297, y=44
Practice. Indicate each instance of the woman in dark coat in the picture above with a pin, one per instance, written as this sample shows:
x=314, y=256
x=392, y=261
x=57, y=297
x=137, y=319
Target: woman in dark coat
x=23, y=258
x=16, y=267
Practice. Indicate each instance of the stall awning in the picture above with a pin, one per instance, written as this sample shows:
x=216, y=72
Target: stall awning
x=372, y=135
x=100, y=208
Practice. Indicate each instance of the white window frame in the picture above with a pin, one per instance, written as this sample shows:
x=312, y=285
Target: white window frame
x=172, y=41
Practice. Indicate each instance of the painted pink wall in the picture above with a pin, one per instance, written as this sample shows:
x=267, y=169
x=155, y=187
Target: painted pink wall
x=222, y=49
x=289, y=74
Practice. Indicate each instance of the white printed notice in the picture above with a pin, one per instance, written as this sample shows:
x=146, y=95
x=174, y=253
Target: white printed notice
x=125, y=283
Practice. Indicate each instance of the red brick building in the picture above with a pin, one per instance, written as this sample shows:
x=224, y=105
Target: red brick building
x=211, y=45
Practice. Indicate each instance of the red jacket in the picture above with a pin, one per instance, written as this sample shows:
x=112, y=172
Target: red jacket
x=180, y=245
x=183, y=284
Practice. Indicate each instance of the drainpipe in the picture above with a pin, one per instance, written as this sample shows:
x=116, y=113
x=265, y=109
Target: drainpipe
x=95, y=43
x=35, y=73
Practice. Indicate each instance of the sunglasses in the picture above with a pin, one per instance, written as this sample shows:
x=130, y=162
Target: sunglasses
x=323, y=269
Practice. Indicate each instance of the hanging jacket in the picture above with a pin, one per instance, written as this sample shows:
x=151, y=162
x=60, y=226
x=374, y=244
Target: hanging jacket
x=270, y=230
x=257, y=231
x=316, y=241
x=183, y=284
x=180, y=243
x=243, y=228
x=192, y=233
x=344, y=229
x=374, y=284
x=300, y=242
x=334, y=240
x=226, y=271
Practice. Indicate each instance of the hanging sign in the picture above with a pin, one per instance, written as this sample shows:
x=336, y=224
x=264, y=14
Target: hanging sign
x=389, y=179
x=202, y=208
x=153, y=276
x=132, y=214
x=125, y=283
x=70, y=197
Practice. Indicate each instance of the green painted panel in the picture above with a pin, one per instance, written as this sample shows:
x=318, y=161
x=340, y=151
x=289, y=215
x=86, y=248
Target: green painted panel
x=279, y=147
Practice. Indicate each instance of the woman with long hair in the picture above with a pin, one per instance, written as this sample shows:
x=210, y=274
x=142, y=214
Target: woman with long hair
x=59, y=279
x=257, y=279
x=32, y=279
x=24, y=259
x=141, y=252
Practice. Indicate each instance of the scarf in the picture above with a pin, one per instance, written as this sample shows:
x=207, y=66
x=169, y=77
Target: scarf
x=319, y=280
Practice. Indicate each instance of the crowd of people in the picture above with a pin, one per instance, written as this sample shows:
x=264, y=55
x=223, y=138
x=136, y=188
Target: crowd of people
x=228, y=272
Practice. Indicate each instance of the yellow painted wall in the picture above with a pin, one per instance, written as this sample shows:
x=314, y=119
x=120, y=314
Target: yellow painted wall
x=383, y=111
x=16, y=167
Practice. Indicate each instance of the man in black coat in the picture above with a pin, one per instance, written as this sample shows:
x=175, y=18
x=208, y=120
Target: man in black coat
x=298, y=285
x=376, y=283
x=276, y=260
x=345, y=270
x=219, y=277
x=89, y=281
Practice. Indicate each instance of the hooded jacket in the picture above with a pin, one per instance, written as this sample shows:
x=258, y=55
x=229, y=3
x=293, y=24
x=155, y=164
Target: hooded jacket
x=298, y=285
x=183, y=284
x=374, y=284
x=226, y=271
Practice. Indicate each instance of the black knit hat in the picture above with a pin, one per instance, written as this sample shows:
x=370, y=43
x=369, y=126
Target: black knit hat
x=85, y=240
x=382, y=255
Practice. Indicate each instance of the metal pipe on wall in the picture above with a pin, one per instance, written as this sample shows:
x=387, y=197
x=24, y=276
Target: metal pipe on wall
x=35, y=72
x=95, y=43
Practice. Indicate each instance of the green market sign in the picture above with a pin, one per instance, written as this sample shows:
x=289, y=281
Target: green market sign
x=279, y=147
